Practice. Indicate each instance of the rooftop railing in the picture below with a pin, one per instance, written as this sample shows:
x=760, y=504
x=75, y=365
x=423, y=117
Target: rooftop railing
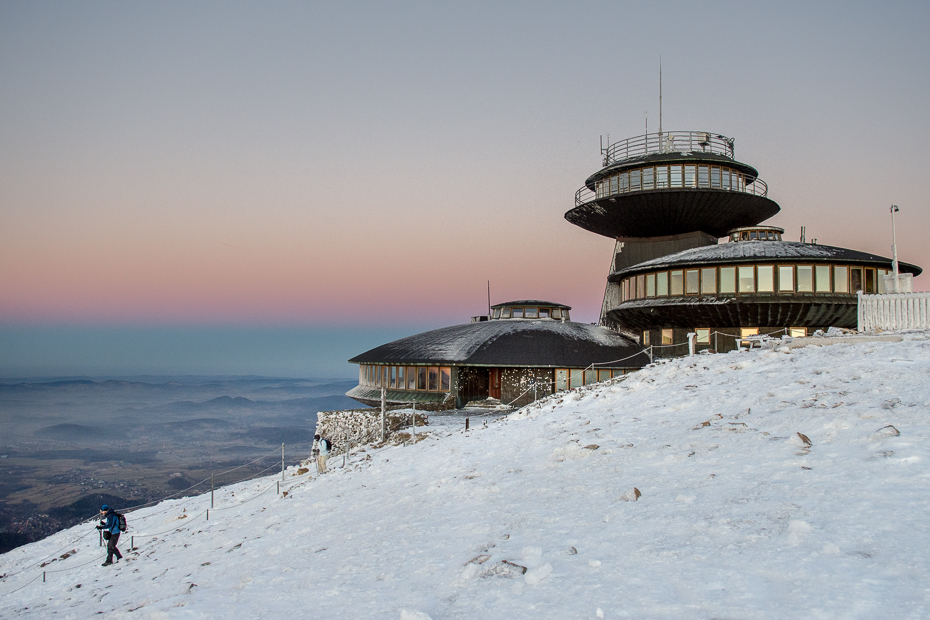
x=668, y=142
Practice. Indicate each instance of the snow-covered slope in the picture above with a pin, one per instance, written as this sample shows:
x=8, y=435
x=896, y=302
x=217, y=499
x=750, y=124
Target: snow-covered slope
x=738, y=517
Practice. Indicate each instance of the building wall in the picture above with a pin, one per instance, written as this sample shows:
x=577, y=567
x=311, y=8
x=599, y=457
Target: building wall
x=722, y=339
x=517, y=383
x=631, y=251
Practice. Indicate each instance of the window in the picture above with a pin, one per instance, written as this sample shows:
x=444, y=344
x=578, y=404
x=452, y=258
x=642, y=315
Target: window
x=544, y=313
x=603, y=375
x=786, y=278
x=518, y=313
x=667, y=336
x=766, y=279
x=640, y=287
x=590, y=376
x=745, y=332
x=855, y=279
x=728, y=280
x=677, y=286
x=753, y=235
x=361, y=375
x=433, y=379
x=840, y=279
x=869, y=280
x=651, y=285
x=497, y=313
x=709, y=281
x=662, y=284
x=648, y=178
x=661, y=177
x=411, y=377
x=561, y=379
x=692, y=282
x=703, y=176
x=421, y=377
x=575, y=378
x=647, y=340
x=703, y=335
x=797, y=332
x=393, y=376
x=401, y=382
x=624, y=181
x=747, y=279
x=690, y=179
x=725, y=173
x=715, y=177
x=505, y=313
x=805, y=279
x=445, y=379
x=635, y=177
x=532, y=313
x=556, y=313
x=675, y=174
x=822, y=273
x=614, y=185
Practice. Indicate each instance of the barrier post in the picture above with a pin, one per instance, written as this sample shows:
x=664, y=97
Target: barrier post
x=414, y=421
x=211, y=490
x=383, y=421
x=650, y=354
x=692, y=339
x=278, y=487
x=282, y=462
x=208, y=514
x=43, y=576
x=132, y=543
x=466, y=424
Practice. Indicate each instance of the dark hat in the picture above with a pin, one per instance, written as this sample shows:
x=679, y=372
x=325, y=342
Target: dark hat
x=316, y=436
x=104, y=507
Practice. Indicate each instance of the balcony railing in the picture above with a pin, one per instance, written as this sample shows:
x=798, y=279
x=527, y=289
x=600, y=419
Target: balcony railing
x=674, y=176
x=668, y=142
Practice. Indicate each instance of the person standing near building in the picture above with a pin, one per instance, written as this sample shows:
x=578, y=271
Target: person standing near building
x=324, y=446
x=109, y=523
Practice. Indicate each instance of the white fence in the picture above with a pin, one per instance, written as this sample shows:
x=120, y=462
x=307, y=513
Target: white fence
x=894, y=311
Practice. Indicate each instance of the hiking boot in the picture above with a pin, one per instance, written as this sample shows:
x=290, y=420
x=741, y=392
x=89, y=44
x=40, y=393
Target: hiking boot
x=106, y=563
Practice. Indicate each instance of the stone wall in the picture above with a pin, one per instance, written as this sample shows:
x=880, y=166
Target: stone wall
x=357, y=427
x=517, y=385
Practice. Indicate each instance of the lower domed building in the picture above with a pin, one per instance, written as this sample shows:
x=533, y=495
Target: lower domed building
x=522, y=351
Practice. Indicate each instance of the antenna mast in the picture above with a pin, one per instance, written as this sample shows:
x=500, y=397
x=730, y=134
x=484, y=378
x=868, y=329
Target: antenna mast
x=660, y=97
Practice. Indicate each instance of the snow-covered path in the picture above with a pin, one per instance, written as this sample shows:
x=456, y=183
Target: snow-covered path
x=738, y=517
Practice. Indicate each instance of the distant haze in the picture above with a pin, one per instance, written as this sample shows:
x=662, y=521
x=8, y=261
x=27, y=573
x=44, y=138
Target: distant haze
x=271, y=189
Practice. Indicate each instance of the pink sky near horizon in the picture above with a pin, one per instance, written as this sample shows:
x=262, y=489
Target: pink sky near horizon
x=315, y=164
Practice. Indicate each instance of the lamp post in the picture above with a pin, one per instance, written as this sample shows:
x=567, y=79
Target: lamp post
x=894, y=249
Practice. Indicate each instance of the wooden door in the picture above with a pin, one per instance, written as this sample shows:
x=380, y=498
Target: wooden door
x=494, y=383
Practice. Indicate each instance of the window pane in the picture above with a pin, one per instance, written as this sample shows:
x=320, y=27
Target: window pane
x=393, y=376
x=650, y=285
x=532, y=313
x=624, y=181
x=401, y=381
x=715, y=177
x=505, y=313
x=748, y=331
x=691, y=282
x=433, y=378
x=766, y=274
x=518, y=313
x=544, y=313
x=421, y=377
x=677, y=285
x=634, y=180
x=823, y=278
x=667, y=336
x=590, y=376
x=648, y=178
x=747, y=280
x=703, y=335
x=855, y=279
x=640, y=287
x=603, y=375
x=576, y=378
x=361, y=375
x=661, y=177
x=881, y=281
x=675, y=173
x=614, y=184
x=703, y=176
x=662, y=284
x=709, y=281
x=556, y=313
x=805, y=279
x=445, y=379
x=726, y=178
x=411, y=378
x=647, y=340
x=797, y=332
x=497, y=313
x=840, y=279
x=561, y=379
x=786, y=278
x=728, y=280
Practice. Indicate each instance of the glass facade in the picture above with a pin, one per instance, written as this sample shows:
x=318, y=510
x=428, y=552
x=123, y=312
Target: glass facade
x=674, y=176
x=755, y=280
x=425, y=378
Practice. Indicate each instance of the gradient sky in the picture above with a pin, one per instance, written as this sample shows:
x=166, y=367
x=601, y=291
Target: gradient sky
x=353, y=172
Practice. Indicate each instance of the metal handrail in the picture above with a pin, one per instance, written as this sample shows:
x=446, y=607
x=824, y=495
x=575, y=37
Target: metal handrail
x=757, y=188
x=668, y=142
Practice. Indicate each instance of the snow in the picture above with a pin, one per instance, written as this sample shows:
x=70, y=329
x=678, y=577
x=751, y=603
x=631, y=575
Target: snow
x=774, y=483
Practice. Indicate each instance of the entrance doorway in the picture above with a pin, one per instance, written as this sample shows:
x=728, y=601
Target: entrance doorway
x=494, y=383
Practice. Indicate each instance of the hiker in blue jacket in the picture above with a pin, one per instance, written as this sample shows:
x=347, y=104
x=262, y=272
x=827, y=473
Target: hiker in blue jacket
x=109, y=523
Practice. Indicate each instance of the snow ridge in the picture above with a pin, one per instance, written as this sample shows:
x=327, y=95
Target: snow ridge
x=779, y=483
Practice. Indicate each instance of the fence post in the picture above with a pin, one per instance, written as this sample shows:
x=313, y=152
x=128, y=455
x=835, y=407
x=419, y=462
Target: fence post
x=43, y=576
x=414, y=421
x=692, y=338
x=383, y=421
x=211, y=490
x=132, y=543
x=466, y=424
x=282, y=462
x=650, y=354
x=208, y=514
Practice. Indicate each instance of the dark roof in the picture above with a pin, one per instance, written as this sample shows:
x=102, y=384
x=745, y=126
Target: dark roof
x=514, y=342
x=754, y=251
x=532, y=302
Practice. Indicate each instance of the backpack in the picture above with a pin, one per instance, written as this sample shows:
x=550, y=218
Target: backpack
x=122, y=522
x=326, y=442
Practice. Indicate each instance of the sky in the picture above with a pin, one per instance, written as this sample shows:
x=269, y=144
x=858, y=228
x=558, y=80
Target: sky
x=246, y=171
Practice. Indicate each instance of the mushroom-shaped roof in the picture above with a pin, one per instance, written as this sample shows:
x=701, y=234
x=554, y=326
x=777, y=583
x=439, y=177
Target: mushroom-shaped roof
x=532, y=302
x=774, y=251
x=539, y=343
